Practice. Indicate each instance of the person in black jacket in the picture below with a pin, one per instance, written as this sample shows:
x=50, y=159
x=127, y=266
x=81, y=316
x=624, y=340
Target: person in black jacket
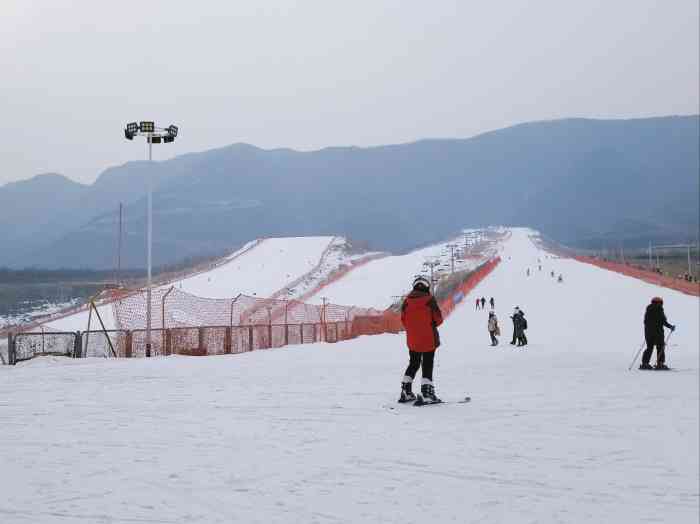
x=520, y=327
x=654, y=323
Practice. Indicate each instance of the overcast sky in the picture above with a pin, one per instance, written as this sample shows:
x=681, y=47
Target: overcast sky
x=310, y=74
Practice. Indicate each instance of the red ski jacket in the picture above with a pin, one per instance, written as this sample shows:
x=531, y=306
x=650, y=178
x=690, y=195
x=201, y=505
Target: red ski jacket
x=420, y=316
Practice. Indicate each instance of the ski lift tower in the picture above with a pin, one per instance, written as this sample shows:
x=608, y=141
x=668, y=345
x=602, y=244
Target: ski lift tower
x=154, y=135
x=432, y=264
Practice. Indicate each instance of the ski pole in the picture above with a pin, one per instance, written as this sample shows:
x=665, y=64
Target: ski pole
x=636, y=355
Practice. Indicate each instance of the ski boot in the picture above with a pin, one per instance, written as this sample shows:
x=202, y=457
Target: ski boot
x=427, y=393
x=645, y=365
x=661, y=367
x=407, y=394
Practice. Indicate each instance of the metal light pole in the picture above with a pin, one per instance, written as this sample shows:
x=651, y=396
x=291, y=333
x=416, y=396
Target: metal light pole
x=154, y=135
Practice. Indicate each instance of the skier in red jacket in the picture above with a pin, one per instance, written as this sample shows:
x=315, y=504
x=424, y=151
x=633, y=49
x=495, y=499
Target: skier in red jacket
x=420, y=316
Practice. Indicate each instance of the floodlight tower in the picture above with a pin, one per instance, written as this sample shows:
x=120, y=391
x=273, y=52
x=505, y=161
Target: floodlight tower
x=154, y=135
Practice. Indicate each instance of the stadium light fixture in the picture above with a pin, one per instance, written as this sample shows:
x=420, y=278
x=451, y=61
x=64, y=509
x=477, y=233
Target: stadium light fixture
x=154, y=135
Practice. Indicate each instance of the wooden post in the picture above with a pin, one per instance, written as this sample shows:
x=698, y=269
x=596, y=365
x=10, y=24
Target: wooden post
x=250, y=338
x=77, y=345
x=128, y=344
x=227, y=341
x=168, y=342
x=201, y=350
x=11, y=358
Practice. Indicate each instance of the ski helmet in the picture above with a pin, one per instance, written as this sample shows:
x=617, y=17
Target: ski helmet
x=421, y=280
x=657, y=300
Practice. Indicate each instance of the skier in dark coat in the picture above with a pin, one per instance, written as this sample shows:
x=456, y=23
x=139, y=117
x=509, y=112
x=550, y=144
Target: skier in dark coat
x=420, y=316
x=654, y=323
x=483, y=303
x=492, y=302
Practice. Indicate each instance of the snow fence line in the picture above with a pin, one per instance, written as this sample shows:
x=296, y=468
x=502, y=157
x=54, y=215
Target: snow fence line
x=689, y=288
x=240, y=325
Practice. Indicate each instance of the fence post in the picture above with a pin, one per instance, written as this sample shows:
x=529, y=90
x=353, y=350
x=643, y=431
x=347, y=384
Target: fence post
x=11, y=356
x=168, y=342
x=301, y=326
x=128, y=344
x=250, y=338
x=200, y=342
x=286, y=334
x=78, y=345
x=315, y=330
x=227, y=341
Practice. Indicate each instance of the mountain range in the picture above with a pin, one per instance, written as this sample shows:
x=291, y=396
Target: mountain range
x=582, y=182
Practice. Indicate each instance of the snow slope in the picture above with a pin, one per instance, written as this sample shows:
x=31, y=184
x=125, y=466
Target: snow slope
x=265, y=269
x=375, y=283
x=560, y=432
x=258, y=269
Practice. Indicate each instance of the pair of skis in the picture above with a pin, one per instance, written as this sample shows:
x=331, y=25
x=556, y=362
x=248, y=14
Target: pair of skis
x=420, y=401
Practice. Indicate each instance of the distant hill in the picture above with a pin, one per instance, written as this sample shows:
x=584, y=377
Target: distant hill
x=581, y=182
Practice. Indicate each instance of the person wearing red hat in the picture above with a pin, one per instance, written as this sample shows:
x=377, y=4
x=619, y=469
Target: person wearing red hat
x=420, y=316
x=654, y=323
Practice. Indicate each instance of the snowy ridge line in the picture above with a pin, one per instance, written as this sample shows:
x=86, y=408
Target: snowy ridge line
x=689, y=288
x=340, y=273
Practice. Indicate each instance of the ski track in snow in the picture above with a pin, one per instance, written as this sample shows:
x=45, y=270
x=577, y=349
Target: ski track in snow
x=559, y=432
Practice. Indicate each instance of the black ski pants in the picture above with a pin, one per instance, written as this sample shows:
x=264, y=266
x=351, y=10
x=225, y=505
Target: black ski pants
x=494, y=340
x=660, y=351
x=522, y=339
x=417, y=358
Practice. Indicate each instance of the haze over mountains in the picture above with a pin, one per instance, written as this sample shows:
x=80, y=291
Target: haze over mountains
x=586, y=183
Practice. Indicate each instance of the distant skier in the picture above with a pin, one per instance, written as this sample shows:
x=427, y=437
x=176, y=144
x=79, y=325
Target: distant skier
x=560, y=279
x=478, y=302
x=552, y=273
x=654, y=323
x=528, y=271
x=420, y=316
x=494, y=330
x=493, y=303
x=483, y=303
x=520, y=324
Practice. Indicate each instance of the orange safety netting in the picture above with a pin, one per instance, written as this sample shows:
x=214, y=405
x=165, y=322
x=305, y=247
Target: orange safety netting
x=690, y=288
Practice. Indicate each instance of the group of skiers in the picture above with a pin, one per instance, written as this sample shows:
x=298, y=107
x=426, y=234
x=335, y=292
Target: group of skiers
x=421, y=316
x=519, y=327
x=481, y=303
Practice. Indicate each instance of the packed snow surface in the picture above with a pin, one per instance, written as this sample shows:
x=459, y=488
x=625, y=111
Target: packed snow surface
x=558, y=432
